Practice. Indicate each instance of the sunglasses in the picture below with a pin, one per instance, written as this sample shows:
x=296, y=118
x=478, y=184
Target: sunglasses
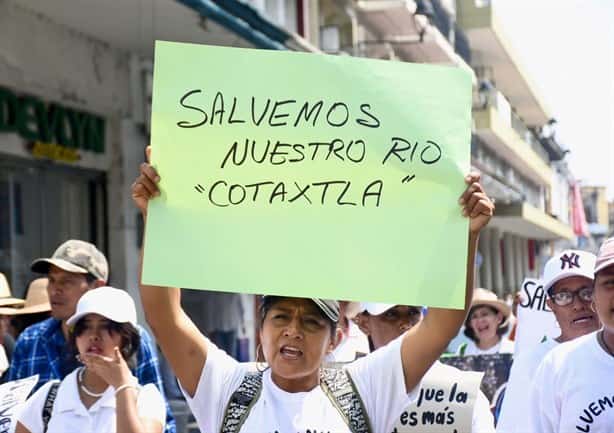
x=565, y=298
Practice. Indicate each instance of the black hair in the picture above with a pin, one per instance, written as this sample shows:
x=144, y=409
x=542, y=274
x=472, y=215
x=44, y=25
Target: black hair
x=501, y=329
x=130, y=339
x=22, y=321
x=90, y=278
x=269, y=301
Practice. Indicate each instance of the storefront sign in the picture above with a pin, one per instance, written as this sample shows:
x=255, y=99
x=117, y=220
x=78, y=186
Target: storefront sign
x=57, y=127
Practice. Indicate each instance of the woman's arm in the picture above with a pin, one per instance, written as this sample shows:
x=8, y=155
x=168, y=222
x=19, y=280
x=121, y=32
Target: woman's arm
x=424, y=343
x=181, y=342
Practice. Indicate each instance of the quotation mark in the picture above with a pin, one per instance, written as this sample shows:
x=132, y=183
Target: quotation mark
x=408, y=178
x=199, y=188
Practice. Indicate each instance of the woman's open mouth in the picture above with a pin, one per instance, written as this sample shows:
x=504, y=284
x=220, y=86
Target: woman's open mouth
x=290, y=352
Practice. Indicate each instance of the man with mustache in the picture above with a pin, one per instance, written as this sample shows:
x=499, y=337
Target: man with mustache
x=75, y=267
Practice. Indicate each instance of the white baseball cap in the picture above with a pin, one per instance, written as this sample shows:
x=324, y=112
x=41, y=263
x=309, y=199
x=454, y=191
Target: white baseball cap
x=375, y=308
x=568, y=263
x=109, y=302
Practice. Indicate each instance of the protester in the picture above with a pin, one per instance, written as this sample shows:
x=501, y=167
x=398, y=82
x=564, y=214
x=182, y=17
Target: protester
x=7, y=343
x=573, y=389
x=352, y=344
x=103, y=395
x=568, y=281
x=35, y=309
x=75, y=268
x=296, y=335
x=384, y=323
x=486, y=325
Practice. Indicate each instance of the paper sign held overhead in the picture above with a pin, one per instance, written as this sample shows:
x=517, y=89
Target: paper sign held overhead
x=308, y=175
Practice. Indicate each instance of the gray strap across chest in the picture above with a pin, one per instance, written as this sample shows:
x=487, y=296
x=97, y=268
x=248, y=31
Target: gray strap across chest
x=336, y=384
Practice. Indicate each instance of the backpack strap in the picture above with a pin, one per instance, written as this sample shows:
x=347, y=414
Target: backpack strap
x=241, y=402
x=48, y=406
x=340, y=389
x=462, y=349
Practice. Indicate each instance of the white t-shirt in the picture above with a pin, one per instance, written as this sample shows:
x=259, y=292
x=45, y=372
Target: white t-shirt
x=515, y=401
x=573, y=389
x=504, y=346
x=69, y=415
x=353, y=346
x=378, y=377
x=482, y=420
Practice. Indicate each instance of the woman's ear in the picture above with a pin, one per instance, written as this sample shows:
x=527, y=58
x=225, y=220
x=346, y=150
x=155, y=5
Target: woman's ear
x=335, y=340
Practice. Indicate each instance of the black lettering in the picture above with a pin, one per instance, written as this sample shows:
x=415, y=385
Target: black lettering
x=243, y=194
x=585, y=429
x=525, y=288
x=362, y=151
x=332, y=109
x=219, y=182
x=266, y=109
x=326, y=185
x=307, y=113
x=275, y=116
x=215, y=110
x=437, y=153
x=589, y=418
x=298, y=148
x=280, y=190
x=342, y=203
x=413, y=419
x=256, y=187
x=421, y=390
x=603, y=402
x=403, y=418
x=593, y=408
x=378, y=185
x=364, y=108
x=428, y=417
x=440, y=418
x=185, y=123
x=397, y=141
x=453, y=392
x=316, y=146
x=439, y=395
x=301, y=193
x=233, y=151
x=462, y=397
x=335, y=149
x=450, y=418
x=231, y=118
x=264, y=154
x=279, y=153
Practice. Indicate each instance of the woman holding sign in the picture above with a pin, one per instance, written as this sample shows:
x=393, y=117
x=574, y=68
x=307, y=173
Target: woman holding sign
x=295, y=394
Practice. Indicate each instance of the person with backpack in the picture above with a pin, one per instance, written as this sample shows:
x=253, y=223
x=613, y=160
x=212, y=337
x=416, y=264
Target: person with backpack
x=102, y=395
x=295, y=393
x=382, y=324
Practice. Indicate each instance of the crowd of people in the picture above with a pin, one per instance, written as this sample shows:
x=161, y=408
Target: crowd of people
x=98, y=368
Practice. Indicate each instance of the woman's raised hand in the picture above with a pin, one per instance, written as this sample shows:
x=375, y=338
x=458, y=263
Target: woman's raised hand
x=145, y=187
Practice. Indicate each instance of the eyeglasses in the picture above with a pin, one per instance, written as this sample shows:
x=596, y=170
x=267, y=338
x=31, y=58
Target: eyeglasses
x=562, y=299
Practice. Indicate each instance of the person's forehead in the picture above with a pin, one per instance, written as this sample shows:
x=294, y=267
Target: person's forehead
x=571, y=283
x=606, y=272
x=290, y=304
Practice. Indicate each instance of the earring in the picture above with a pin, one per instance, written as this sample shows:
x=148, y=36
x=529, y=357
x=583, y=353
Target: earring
x=78, y=358
x=261, y=366
x=593, y=307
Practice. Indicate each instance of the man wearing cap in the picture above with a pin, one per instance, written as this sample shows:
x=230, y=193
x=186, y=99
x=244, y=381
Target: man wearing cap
x=568, y=282
x=75, y=267
x=383, y=323
x=573, y=388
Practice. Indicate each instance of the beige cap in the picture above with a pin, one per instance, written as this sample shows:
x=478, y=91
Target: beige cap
x=6, y=297
x=37, y=300
x=487, y=297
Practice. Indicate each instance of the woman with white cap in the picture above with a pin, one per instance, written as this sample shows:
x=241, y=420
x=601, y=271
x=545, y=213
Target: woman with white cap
x=295, y=393
x=486, y=325
x=102, y=396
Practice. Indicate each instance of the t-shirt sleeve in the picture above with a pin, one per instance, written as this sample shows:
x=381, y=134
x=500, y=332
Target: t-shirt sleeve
x=220, y=377
x=515, y=400
x=380, y=381
x=150, y=404
x=544, y=413
x=482, y=420
x=31, y=413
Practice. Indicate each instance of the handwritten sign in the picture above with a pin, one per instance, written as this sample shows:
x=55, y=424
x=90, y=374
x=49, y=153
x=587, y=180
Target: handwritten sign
x=12, y=395
x=535, y=319
x=308, y=175
x=445, y=402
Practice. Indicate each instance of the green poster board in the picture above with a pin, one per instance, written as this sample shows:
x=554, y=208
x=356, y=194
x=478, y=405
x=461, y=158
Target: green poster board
x=308, y=175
